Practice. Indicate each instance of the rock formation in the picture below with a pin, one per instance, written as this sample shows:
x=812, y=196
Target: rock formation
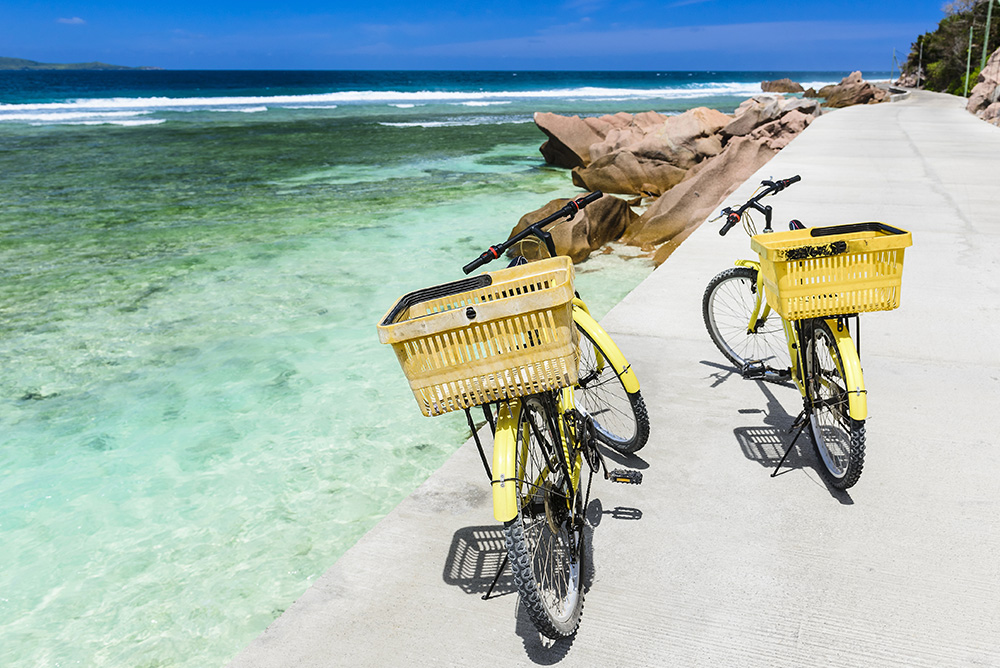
x=689, y=162
x=785, y=85
x=602, y=221
x=984, y=101
x=651, y=154
x=686, y=206
x=852, y=90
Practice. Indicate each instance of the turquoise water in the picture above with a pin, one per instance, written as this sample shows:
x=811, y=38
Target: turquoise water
x=197, y=416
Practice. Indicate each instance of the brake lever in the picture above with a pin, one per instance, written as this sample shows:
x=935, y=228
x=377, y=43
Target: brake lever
x=722, y=214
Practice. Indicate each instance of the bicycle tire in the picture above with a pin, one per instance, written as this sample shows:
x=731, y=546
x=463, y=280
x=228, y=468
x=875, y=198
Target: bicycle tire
x=620, y=417
x=727, y=305
x=838, y=439
x=545, y=539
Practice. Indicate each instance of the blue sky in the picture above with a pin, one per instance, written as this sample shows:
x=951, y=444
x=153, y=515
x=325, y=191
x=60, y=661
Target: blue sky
x=447, y=34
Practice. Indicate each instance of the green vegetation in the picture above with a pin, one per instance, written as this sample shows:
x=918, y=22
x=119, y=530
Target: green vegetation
x=22, y=64
x=946, y=50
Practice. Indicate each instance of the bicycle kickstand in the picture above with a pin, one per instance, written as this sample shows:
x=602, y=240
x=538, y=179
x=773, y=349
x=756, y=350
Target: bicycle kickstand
x=496, y=578
x=800, y=422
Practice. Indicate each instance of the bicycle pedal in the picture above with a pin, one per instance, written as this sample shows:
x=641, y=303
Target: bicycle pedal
x=625, y=476
x=754, y=370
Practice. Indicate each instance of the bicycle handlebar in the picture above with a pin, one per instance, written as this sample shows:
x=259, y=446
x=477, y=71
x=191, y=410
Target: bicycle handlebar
x=770, y=188
x=567, y=212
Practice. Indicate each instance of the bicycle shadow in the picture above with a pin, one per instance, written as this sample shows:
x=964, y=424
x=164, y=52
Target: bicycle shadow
x=767, y=444
x=631, y=460
x=477, y=553
x=473, y=561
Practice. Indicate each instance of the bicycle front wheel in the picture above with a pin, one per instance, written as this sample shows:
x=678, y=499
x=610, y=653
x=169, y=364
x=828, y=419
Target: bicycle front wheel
x=620, y=417
x=545, y=539
x=838, y=438
x=727, y=305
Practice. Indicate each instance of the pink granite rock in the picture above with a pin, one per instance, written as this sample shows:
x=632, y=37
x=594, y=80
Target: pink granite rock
x=986, y=93
x=685, y=206
x=602, y=221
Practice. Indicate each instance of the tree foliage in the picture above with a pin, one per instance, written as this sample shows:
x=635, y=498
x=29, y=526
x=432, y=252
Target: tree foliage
x=946, y=50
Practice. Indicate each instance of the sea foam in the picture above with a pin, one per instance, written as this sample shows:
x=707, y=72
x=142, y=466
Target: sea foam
x=99, y=108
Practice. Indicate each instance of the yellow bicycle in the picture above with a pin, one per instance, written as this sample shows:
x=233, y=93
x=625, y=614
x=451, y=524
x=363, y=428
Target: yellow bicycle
x=788, y=315
x=520, y=343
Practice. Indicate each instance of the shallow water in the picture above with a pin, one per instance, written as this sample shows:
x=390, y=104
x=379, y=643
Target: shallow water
x=198, y=416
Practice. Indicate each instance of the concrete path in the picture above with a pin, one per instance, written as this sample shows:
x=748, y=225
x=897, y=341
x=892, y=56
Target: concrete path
x=711, y=562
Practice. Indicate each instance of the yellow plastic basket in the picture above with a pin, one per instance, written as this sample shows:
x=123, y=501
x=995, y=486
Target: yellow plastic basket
x=828, y=271
x=499, y=335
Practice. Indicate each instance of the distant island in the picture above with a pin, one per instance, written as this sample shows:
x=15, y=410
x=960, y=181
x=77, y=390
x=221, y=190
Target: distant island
x=22, y=64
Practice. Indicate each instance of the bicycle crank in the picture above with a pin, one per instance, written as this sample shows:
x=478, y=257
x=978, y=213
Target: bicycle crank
x=585, y=432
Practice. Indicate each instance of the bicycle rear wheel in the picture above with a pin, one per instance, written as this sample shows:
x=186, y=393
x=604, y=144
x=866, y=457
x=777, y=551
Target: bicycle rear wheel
x=838, y=438
x=727, y=305
x=545, y=539
x=620, y=417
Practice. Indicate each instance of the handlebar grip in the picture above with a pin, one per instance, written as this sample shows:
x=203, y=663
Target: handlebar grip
x=731, y=221
x=487, y=256
x=787, y=182
x=587, y=199
x=476, y=264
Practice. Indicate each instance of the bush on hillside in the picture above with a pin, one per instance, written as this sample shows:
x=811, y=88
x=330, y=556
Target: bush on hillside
x=946, y=50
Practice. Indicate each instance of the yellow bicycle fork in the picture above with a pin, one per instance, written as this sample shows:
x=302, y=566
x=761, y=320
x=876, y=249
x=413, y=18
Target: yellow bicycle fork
x=856, y=394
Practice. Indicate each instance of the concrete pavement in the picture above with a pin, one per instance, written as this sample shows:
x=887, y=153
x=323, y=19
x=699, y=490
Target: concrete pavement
x=711, y=562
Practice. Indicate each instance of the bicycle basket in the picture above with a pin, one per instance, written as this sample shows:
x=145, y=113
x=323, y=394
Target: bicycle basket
x=837, y=270
x=499, y=335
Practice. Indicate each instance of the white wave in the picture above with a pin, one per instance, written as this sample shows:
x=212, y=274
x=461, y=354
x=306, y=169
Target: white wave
x=478, y=103
x=816, y=84
x=387, y=97
x=491, y=120
x=242, y=110
x=68, y=116
x=403, y=106
x=427, y=124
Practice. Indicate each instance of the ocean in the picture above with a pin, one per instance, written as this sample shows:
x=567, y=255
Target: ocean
x=196, y=417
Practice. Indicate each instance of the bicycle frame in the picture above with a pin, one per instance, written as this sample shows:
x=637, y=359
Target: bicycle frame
x=857, y=395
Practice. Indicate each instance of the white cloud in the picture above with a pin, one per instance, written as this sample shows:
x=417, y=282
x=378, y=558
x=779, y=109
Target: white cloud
x=75, y=21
